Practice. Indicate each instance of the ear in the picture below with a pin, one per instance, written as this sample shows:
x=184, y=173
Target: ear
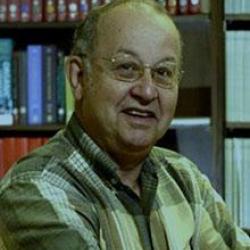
x=74, y=74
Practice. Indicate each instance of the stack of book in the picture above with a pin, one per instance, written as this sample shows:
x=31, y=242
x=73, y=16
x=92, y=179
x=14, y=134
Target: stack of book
x=237, y=7
x=74, y=10
x=237, y=176
x=33, y=89
x=13, y=148
x=237, y=76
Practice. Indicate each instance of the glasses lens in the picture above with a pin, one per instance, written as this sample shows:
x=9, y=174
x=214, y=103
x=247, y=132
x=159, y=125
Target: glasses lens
x=125, y=68
x=164, y=74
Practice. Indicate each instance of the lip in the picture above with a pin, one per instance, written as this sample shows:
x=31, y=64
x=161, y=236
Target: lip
x=141, y=117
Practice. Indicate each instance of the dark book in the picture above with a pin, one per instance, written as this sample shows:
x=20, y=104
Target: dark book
x=13, y=11
x=72, y=10
x=15, y=83
x=6, y=101
x=3, y=10
x=172, y=7
x=61, y=10
x=60, y=88
x=22, y=87
x=194, y=6
x=35, y=84
x=49, y=86
x=37, y=10
x=83, y=8
x=50, y=11
x=25, y=10
x=183, y=7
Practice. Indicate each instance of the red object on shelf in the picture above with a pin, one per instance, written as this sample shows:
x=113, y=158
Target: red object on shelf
x=13, y=10
x=34, y=142
x=3, y=10
x=183, y=7
x=73, y=10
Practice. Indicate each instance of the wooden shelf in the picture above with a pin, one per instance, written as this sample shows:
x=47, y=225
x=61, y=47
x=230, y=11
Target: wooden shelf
x=237, y=17
x=238, y=125
x=35, y=130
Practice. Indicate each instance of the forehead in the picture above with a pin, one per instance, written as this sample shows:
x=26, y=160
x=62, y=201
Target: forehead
x=137, y=28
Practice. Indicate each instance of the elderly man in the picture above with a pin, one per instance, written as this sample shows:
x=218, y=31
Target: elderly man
x=100, y=183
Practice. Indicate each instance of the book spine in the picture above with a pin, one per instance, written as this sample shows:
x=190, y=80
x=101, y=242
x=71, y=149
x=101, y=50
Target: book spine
x=83, y=8
x=2, y=171
x=172, y=7
x=22, y=87
x=61, y=11
x=194, y=6
x=95, y=3
x=60, y=88
x=15, y=82
x=37, y=11
x=6, y=102
x=205, y=6
x=50, y=10
x=8, y=152
x=34, y=142
x=73, y=10
x=35, y=82
x=13, y=11
x=183, y=7
x=49, y=96
x=25, y=10
x=21, y=147
x=3, y=10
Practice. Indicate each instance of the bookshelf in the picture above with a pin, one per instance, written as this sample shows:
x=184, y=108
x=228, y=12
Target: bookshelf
x=237, y=124
x=200, y=92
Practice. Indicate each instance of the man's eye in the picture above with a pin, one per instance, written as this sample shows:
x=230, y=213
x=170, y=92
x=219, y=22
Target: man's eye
x=164, y=72
x=126, y=67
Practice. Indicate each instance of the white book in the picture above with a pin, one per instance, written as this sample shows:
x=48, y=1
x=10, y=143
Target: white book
x=237, y=180
x=246, y=73
x=229, y=173
x=246, y=184
x=232, y=111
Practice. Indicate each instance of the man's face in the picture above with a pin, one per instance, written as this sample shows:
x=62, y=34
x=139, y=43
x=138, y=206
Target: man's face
x=129, y=116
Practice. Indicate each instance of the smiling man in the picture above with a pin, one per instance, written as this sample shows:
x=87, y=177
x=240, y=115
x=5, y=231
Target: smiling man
x=100, y=183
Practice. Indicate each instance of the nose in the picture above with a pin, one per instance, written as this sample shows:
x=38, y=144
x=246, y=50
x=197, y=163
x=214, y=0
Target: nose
x=145, y=90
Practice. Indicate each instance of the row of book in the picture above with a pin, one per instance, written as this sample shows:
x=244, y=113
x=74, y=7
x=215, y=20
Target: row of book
x=33, y=89
x=13, y=148
x=45, y=10
x=74, y=10
x=237, y=7
x=237, y=76
x=237, y=176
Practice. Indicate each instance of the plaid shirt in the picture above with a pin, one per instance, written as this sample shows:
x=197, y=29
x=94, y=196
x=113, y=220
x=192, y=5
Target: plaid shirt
x=67, y=195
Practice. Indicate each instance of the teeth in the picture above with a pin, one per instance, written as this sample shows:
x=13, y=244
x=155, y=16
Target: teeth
x=138, y=113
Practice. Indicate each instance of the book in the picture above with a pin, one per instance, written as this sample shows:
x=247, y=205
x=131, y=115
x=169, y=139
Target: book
x=35, y=84
x=37, y=10
x=3, y=10
x=21, y=147
x=8, y=152
x=95, y=3
x=23, y=88
x=25, y=10
x=50, y=10
x=83, y=9
x=2, y=170
x=194, y=6
x=60, y=88
x=172, y=7
x=34, y=142
x=205, y=6
x=73, y=10
x=13, y=12
x=183, y=7
x=49, y=86
x=15, y=83
x=61, y=11
x=6, y=102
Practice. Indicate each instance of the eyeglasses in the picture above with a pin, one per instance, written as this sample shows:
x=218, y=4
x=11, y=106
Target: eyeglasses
x=128, y=68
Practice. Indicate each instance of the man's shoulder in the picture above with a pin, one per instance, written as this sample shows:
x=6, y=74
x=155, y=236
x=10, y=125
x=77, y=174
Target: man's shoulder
x=49, y=158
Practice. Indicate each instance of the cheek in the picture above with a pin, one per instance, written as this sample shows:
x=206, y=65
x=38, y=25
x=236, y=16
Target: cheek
x=168, y=102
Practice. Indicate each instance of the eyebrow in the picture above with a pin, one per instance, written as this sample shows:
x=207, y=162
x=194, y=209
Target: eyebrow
x=134, y=54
